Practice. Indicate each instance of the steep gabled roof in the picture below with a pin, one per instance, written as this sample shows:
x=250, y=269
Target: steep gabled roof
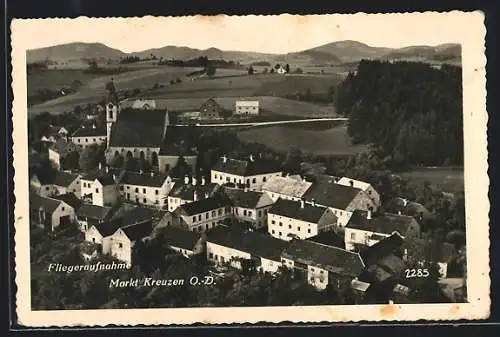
x=332, y=259
x=287, y=186
x=94, y=211
x=187, y=191
x=331, y=194
x=89, y=131
x=245, y=168
x=387, y=223
x=257, y=244
x=204, y=205
x=70, y=199
x=247, y=199
x=63, y=147
x=144, y=179
x=48, y=204
x=329, y=238
x=64, y=179
x=294, y=210
x=382, y=248
x=180, y=238
x=138, y=231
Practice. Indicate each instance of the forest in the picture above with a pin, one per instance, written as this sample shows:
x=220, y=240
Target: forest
x=411, y=111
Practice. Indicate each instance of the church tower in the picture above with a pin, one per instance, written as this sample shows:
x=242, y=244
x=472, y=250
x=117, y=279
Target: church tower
x=112, y=112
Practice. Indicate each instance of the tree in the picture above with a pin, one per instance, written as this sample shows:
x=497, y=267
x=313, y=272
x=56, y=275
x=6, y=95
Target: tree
x=180, y=169
x=287, y=68
x=291, y=165
x=92, y=65
x=210, y=71
x=91, y=156
x=76, y=85
x=298, y=71
x=250, y=70
x=277, y=66
x=265, y=71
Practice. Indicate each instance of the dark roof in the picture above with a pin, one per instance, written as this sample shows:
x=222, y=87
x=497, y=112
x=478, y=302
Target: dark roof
x=387, y=223
x=46, y=177
x=293, y=209
x=180, y=238
x=63, y=147
x=138, y=128
x=247, y=167
x=336, y=260
x=64, y=178
x=93, y=211
x=329, y=238
x=106, y=179
x=186, y=192
x=392, y=264
x=204, y=205
x=257, y=244
x=70, y=199
x=170, y=149
x=242, y=198
x=98, y=172
x=138, y=214
x=382, y=248
x=89, y=131
x=48, y=204
x=331, y=194
x=108, y=228
x=138, y=231
x=143, y=179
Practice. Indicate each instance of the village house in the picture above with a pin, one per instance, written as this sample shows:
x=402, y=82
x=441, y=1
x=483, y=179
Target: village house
x=364, y=186
x=185, y=242
x=246, y=108
x=54, y=183
x=281, y=70
x=249, y=207
x=203, y=214
x=70, y=199
x=244, y=249
x=85, y=136
x=171, y=154
x=252, y=172
x=59, y=151
x=364, y=228
x=50, y=213
x=149, y=189
x=89, y=215
x=189, y=190
x=289, y=219
x=288, y=187
x=126, y=239
x=210, y=109
x=136, y=133
x=321, y=264
x=54, y=133
x=144, y=104
x=342, y=200
x=100, y=186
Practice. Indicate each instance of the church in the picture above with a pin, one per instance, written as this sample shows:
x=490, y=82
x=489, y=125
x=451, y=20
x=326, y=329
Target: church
x=135, y=132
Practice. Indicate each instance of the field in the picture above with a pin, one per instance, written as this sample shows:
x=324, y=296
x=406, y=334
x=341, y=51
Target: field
x=319, y=138
x=56, y=79
x=226, y=83
x=448, y=179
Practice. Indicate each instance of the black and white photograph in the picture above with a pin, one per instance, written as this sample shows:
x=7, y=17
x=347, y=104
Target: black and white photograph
x=255, y=163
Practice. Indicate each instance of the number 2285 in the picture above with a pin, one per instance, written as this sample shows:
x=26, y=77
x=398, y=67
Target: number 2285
x=411, y=273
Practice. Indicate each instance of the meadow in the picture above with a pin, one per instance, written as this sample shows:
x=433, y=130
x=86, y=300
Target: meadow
x=319, y=138
x=449, y=179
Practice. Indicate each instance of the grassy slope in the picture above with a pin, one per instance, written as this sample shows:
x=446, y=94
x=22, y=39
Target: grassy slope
x=449, y=179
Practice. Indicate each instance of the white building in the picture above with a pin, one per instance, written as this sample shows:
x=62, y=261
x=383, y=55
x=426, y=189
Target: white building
x=149, y=189
x=252, y=172
x=55, y=184
x=203, y=214
x=297, y=219
x=50, y=213
x=249, y=206
x=88, y=135
x=235, y=247
x=246, y=108
x=366, y=229
x=288, y=187
x=189, y=190
x=89, y=215
x=125, y=240
x=144, y=104
x=100, y=186
x=364, y=186
x=59, y=150
x=322, y=264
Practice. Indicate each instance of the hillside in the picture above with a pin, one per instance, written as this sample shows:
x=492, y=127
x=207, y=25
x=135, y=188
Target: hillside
x=73, y=51
x=445, y=52
x=350, y=51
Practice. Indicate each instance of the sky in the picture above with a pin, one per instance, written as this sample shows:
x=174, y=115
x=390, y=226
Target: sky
x=269, y=34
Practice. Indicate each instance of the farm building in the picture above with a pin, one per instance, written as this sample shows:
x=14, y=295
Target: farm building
x=210, y=109
x=246, y=108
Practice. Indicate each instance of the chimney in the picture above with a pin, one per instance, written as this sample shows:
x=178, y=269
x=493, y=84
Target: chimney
x=369, y=215
x=83, y=126
x=207, y=195
x=186, y=180
x=302, y=203
x=93, y=126
x=399, y=212
x=203, y=180
x=193, y=181
x=141, y=171
x=107, y=169
x=313, y=202
x=100, y=166
x=114, y=177
x=195, y=196
x=224, y=159
x=251, y=157
x=405, y=202
x=152, y=173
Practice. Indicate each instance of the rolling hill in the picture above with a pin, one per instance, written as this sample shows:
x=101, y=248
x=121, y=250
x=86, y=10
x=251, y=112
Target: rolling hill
x=73, y=51
x=349, y=51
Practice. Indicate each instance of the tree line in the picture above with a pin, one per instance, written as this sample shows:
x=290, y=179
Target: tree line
x=411, y=111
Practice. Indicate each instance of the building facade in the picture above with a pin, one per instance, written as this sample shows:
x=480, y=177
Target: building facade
x=210, y=109
x=86, y=136
x=246, y=108
x=150, y=189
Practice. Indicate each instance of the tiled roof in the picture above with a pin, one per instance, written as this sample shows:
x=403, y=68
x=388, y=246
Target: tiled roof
x=107, y=179
x=93, y=211
x=63, y=147
x=246, y=199
x=328, y=238
x=292, y=209
x=204, y=205
x=48, y=204
x=89, y=131
x=138, y=214
x=331, y=194
x=98, y=172
x=287, y=186
x=186, y=191
x=138, y=231
x=64, y=178
x=143, y=179
x=380, y=223
x=335, y=260
x=256, y=244
x=108, y=228
x=247, y=167
x=180, y=238
x=70, y=199
x=138, y=128
x=354, y=183
x=382, y=248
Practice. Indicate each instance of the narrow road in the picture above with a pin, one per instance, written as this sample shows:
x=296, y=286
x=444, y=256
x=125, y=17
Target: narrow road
x=268, y=123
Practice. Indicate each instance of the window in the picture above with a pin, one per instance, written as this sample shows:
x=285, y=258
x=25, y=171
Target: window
x=309, y=230
x=312, y=269
x=279, y=233
x=248, y=181
x=78, y=140
x=254, y=180
x=157, y=202
x=289, y=226
x=128, y=187
x=96, y=190
x=93, y=240
x=86, y=140
x=219, y=212
x=215, y=176
x=46, y=188
x=353, y=236
x=273, y=222
x=260, y=214
x=199, y=217
x=157, y=192
x=211, y=255
x=144, y=200
x=206, y=215
x=264, y=179
x=143, y=190
x=213, y=213
x=272, y=231
x=120, y=245
x=245, y=212
x=298, y=229
x=194, y=219
x=62, y=208
x=281, y=224
x=249, y=213
x=136, y=190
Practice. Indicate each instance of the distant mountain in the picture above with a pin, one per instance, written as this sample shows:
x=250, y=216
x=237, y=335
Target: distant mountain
x=443, y=53
x=74, y=51
x=349, y=51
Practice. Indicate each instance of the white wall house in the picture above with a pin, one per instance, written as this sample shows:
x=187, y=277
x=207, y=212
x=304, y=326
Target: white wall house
x=364, y=186
x=246, y=108
x=88, y=135
x=59, y=183
x=203, y=214
x=149, y=189
x=59, y=150
x=105, y=191
x=286, y=188
x=124, y=240
x=89, y=215
x=250, y=206
x=50, y=213
x=252, y=173
x=189, y=190
x=297, y=219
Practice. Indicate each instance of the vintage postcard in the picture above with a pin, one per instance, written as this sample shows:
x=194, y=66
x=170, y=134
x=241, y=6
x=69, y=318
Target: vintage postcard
x=246, y=169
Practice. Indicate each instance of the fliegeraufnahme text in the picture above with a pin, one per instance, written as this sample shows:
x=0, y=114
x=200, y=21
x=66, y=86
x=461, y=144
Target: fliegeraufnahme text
x=61, y=268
